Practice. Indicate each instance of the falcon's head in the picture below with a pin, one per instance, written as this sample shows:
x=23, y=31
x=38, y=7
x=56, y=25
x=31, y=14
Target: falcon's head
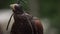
x=16, y=7
x=13, y=6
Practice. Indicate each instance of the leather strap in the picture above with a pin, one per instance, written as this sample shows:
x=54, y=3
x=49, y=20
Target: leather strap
x=9, y=22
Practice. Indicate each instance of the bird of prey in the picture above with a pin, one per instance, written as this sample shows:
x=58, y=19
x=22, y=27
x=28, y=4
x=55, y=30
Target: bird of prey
x=25, y=23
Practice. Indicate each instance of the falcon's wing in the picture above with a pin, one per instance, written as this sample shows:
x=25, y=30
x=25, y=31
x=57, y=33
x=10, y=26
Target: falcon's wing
x=39, y=25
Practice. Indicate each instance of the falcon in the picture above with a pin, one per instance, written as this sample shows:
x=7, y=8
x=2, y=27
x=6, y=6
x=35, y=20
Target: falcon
x=25, y=23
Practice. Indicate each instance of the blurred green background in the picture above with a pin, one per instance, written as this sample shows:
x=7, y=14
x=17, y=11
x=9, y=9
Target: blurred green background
x=47, y=10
